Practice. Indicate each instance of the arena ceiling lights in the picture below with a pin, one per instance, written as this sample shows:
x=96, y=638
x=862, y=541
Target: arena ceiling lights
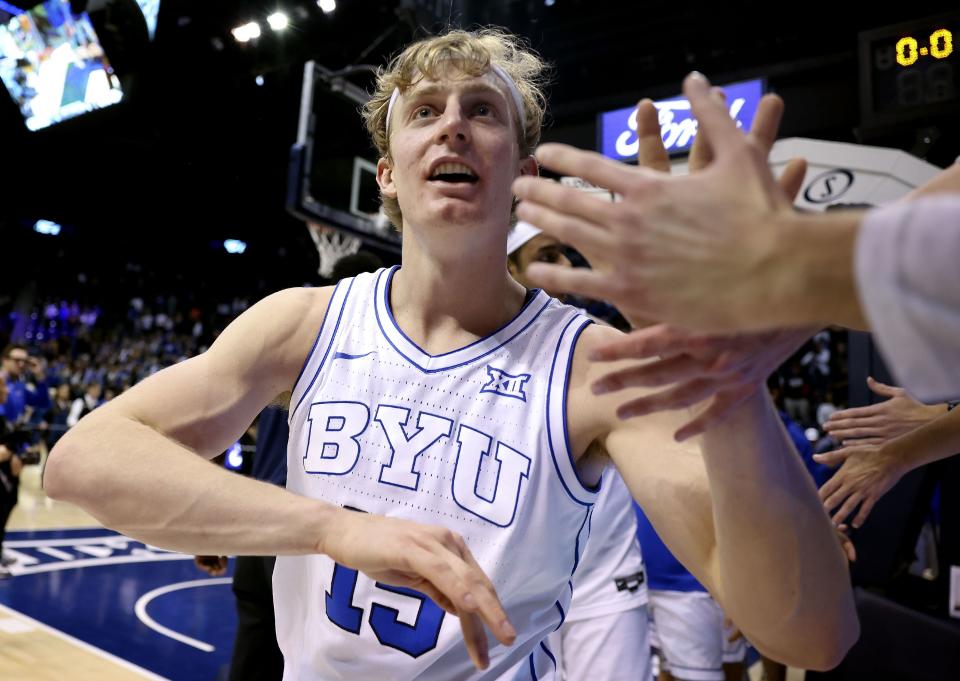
x=278, y=21
x=246, y=32
x=327, y=5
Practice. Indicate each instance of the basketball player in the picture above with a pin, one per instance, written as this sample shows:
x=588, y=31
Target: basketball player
x=443, y=429
x=605, y=636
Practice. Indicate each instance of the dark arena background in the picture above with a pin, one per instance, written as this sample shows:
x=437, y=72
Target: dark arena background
x=164, y=164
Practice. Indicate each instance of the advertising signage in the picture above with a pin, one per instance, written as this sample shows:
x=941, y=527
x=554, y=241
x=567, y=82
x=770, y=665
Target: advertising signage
x=618, y=129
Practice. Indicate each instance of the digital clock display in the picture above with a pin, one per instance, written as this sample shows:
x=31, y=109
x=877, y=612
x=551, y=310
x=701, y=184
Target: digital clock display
x=940, y=46
x=910, y=69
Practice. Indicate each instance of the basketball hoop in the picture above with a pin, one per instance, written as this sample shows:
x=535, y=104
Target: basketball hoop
x=332, y=244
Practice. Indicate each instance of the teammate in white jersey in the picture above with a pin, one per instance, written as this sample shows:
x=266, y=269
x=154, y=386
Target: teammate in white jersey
x=605, y=636
x=410, y=406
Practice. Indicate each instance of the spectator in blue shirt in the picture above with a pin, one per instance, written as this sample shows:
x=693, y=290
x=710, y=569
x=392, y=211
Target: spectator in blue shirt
x=18, y=366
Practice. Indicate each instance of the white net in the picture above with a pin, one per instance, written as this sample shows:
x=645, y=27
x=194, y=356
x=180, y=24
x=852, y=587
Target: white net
x=332, y=244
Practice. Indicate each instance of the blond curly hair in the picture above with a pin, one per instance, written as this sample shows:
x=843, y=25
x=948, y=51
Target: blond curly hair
x=470, y=53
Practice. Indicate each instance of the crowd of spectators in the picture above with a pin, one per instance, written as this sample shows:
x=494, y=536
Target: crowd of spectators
x=88, y=355
x=814, y=382
x=95, y=348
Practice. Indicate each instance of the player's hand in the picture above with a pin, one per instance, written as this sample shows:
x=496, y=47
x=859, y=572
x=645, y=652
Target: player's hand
x=688, y=250
x=429, y=559
x=5, y=453
x=883, y=421
x=692, y=367
x=215, y=566
x=866, y=473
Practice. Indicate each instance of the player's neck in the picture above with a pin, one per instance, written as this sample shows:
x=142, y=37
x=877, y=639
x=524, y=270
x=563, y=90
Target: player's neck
x=443, y=305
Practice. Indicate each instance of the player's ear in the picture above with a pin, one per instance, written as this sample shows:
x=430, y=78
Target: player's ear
x=385, y=178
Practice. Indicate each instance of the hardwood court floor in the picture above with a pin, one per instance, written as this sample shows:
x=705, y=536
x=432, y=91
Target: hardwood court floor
x=30, y=650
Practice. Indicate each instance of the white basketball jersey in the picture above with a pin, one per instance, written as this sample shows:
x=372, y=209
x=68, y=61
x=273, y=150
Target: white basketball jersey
x=610, y=577
x=609, y=580
x=474, y=440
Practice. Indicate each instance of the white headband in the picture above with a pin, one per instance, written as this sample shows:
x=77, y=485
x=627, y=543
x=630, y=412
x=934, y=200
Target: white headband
x=501, y=74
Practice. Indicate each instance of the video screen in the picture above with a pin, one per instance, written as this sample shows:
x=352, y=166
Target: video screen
x=52, y=64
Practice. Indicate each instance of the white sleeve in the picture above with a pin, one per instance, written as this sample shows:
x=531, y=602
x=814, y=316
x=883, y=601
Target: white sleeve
x=907, y=264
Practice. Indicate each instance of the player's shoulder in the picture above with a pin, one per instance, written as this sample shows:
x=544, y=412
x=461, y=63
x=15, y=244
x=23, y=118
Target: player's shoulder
x=588, y=333
x=299, y=299
x=589, y=416
x=292, y=307
x=596, y=335
x=593, y=336
x=284, y=322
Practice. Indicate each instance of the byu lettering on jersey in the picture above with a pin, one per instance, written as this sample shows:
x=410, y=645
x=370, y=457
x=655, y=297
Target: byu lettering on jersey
x=474, y=440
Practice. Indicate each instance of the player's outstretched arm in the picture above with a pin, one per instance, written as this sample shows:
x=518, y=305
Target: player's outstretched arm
x=880, y=422
x=868, y=469
x=134, y=465
x=738, y=508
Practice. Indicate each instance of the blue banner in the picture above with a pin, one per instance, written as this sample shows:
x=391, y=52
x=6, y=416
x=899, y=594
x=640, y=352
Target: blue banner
x=678, y=128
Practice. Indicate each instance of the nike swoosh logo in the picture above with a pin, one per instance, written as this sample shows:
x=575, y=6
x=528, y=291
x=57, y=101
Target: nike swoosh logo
x=344, y=355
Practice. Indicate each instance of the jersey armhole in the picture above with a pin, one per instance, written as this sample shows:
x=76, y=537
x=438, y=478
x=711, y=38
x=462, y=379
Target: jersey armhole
x=321, y=346
x=558, y=434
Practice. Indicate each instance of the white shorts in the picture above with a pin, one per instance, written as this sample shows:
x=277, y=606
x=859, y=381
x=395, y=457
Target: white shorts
x=614, y=647
x=689, y=634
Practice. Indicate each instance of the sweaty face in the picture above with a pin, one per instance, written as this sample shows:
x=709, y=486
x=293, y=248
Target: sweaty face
x=454, y=152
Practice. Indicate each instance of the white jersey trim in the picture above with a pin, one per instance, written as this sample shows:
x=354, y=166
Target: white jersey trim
x=428, y=363
x=558, y=436
x=325, y=337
